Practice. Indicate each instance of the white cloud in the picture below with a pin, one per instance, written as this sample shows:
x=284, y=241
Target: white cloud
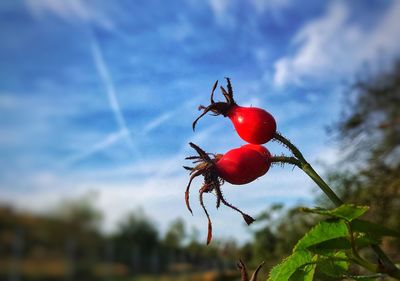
x=270, y=5
x=385, y=36
x=69, y=10
x=333, y=45
x=221, y=10
x=224, y=11
x=252, y=102
x=219, y=7
x=7, y=101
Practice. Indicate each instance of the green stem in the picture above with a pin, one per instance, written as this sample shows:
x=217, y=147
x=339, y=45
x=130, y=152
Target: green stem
x=285, y=160
x=386, y=265
x=296, y=152
x=321, y=183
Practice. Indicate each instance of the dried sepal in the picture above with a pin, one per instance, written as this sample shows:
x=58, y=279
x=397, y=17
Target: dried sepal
x=243, y=271
x=212, y=183
x=217, y=108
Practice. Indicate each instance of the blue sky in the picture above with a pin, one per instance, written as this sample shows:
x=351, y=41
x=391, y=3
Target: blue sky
x=99, y=96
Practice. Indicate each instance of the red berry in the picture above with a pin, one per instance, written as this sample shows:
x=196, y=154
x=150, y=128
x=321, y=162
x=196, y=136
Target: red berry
x=244, y=164
x=238, y=166
x=254, y=125
x=261, y=149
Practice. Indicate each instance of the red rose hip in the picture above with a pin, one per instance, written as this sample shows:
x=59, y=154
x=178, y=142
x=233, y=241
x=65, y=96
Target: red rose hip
x=238, y=166
x=254, y=125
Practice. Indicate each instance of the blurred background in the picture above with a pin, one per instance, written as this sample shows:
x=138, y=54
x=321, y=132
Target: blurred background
x=96, y=104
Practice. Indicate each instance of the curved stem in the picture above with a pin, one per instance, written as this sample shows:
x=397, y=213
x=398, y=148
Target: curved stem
x=306, y=167
x=296, y=152
x=386, y=265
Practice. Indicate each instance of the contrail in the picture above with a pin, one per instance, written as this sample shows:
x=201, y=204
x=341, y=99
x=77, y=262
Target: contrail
x=106, y=79
x=157, y=122
x=108, y=141
x=113, y=138
x=105, y=76
x=123, y=132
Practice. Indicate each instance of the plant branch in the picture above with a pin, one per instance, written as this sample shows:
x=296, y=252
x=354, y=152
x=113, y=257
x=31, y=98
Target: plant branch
x=386, y=265
x=296, y=152
x=306, y=167
x=286, y=160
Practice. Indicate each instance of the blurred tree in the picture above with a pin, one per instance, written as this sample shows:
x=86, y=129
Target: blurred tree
x=279, y=231
x=135, y=241
x=79, y=213
x=79, y=232
x=370, y=133
x=175, y=234
x=265, y=238
x=371, y=117
x=172, y=243
x=64, y=242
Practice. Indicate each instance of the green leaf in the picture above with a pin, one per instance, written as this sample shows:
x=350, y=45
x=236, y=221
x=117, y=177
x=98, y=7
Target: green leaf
x=323, y=231
x=284, y=270
x=362, y=240
x=331, y=266
x=347, y=212
x=306, y=273
x=326, y=247
x=373, y=229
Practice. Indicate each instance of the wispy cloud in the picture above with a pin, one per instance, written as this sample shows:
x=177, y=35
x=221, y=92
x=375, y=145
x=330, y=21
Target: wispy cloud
x=71, y=11
x=271, y=5
x=321, y=41
x=335, y=45
x=219, y=7
x=7, y=101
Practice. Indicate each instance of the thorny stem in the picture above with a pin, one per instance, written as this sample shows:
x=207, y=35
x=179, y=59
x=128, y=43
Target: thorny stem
x=385, y=265
x=296, y=152
x=306, y=167
x=285, y=160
